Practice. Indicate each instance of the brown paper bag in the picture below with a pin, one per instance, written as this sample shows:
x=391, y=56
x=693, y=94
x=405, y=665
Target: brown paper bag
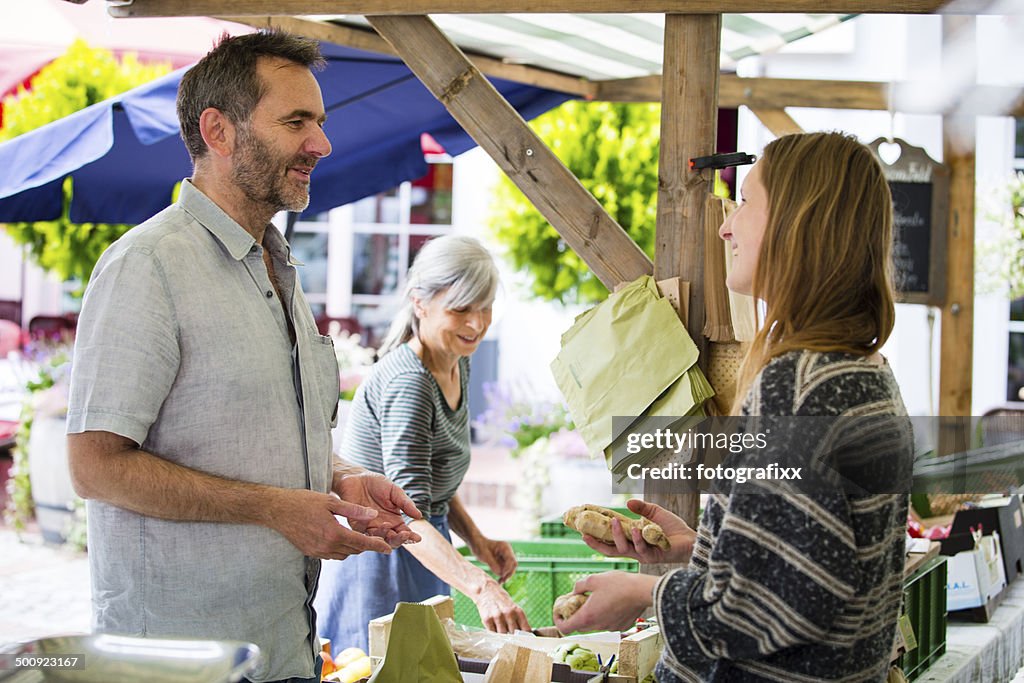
x=520, y=664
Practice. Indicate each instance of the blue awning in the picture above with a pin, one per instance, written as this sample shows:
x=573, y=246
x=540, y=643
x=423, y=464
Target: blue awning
x=125, y=154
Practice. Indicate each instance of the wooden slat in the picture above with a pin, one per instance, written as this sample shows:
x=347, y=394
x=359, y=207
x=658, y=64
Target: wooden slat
x=639, y=653
x=166, y=8
x=689, y=120
x=584, y=224
x=365, y=39
x=956, y=350
x=778, y=121
x=770, y=93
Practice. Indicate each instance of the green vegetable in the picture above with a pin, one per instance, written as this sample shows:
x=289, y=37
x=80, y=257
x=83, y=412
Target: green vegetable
x=577, y=657
x=583, y=659
x=563, y=651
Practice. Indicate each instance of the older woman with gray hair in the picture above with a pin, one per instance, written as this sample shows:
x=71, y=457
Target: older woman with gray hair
x=410, y=421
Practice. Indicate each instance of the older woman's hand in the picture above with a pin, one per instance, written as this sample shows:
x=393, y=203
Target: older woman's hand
x=498, y=612
x=498, y=555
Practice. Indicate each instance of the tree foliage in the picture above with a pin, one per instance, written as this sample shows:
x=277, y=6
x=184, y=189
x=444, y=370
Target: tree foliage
x=613, y=149
x=81, y=77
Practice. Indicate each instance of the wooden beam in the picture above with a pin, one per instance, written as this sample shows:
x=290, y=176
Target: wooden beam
x=776, y=93
x=770, y=93
x=639, y=89
x=956, y=345
x=169, y=8
x=519, y=152
x=778, y=121
x=366, y=39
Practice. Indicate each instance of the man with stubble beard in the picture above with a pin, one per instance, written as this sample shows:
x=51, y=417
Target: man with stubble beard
x=202, y=396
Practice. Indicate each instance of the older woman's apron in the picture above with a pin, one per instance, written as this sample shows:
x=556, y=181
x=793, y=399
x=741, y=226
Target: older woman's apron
x=369, y=585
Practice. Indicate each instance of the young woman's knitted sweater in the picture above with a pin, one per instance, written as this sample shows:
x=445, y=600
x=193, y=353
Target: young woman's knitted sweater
x=800, y=582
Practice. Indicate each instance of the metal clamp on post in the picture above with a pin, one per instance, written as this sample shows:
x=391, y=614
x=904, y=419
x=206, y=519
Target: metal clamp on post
x=722, y=160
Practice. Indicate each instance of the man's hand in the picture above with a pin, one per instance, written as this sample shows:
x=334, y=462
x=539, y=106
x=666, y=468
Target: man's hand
x=377, y=492
x=679, y=534
x=307, y=519
x=616, y=600
x=497, y=555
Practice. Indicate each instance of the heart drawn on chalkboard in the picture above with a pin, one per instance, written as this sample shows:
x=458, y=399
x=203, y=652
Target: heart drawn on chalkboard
x=890, y=152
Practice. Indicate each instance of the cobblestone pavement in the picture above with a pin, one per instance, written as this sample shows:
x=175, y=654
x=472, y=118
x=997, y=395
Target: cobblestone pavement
x=44, y=590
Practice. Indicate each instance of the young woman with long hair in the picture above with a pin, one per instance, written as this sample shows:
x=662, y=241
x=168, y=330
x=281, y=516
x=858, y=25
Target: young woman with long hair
x=787, y=582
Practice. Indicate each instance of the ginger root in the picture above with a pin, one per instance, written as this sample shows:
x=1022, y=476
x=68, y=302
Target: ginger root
x=566, y=605
x=596, y=521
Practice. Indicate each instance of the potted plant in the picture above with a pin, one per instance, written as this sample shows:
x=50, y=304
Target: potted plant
x=40, y=483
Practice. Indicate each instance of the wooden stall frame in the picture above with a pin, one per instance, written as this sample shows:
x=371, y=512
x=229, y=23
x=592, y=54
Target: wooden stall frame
x=457, y=82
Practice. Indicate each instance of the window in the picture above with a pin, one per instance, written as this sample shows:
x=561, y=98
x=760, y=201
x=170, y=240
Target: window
x=1018, y=144
x=355, y=257
x=388, y=230
x=309, y=246
x=1015, y=361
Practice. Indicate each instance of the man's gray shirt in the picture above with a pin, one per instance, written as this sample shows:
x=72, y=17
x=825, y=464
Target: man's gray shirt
x=183, y=347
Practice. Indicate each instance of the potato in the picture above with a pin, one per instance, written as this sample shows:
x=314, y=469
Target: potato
x=566, y=605
x=596, y=521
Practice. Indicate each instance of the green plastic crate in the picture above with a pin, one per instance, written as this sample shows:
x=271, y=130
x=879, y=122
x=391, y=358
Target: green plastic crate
x=547, y=568
x=552, y=527
x=924, y=599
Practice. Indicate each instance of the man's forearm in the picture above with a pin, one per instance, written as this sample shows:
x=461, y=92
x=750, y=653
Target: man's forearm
x=116, y=472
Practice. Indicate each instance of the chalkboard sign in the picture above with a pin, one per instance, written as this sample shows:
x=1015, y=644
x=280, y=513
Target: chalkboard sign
x=920, y=198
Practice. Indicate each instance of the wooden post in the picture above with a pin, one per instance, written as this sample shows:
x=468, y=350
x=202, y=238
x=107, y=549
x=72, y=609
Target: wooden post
x=689, y=122
x=956, y=350
x=481, y=110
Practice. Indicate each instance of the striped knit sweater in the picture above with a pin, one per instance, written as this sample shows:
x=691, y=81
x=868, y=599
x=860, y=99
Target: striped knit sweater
x=796, y=587
x=402, y=426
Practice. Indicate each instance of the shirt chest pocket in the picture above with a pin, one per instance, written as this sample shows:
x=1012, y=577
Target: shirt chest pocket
x=325, y=376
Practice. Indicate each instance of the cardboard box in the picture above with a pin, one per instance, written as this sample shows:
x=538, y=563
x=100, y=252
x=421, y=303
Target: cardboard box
x=975, y=576
x=1003, y=515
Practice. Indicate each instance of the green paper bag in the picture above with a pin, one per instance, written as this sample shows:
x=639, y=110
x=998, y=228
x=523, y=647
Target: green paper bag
x=619, y=357
x=418, y=649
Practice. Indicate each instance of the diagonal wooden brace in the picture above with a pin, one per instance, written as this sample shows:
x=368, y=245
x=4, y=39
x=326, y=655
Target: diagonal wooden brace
x=481, y=110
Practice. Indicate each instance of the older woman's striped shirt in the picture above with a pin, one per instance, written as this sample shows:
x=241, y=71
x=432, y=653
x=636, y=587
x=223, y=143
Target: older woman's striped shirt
x=401, y=426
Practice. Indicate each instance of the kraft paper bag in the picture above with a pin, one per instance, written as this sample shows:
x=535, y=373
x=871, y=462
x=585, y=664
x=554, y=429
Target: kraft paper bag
x=619, y=357
x=418, y=649
x=682, y=400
